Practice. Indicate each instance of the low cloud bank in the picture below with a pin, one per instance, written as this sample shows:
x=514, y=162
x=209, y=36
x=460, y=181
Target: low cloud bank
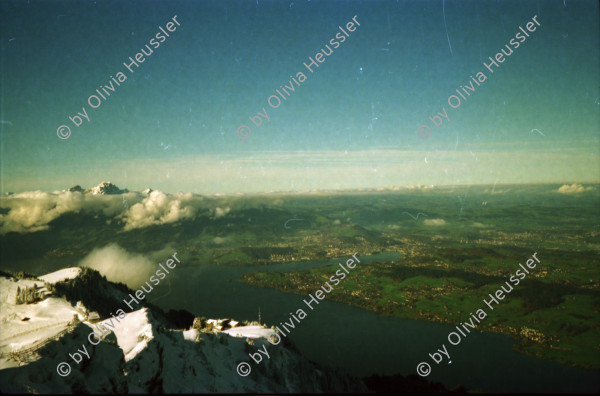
x=118, y=265
x=35, y=210
x=573, y=189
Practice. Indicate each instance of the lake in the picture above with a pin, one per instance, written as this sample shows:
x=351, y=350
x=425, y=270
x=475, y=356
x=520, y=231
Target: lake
x=363, y=342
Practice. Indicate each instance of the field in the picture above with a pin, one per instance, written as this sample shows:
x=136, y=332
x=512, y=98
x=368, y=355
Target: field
x=450, y=265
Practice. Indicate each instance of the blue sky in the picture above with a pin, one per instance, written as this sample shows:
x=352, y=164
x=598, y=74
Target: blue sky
x=352, y=124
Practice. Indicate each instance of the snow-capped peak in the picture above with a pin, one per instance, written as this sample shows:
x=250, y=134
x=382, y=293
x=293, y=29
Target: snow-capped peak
x=105, y=188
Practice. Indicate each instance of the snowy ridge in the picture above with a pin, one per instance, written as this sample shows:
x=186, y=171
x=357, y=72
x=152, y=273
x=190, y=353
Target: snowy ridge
x=61, y=275
x=141, y=353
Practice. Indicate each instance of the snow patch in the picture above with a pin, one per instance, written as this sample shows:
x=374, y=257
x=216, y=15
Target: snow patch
x=250, y=332
x=25, y=325
x=133, y=332
x=61, y=275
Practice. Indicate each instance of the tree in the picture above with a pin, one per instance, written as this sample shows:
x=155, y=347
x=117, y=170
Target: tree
x=28, y=295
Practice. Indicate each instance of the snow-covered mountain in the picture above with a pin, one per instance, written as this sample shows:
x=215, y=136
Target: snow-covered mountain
x=105, y=188
x=143, y=352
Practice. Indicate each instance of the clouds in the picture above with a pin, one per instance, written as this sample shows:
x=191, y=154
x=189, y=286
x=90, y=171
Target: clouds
x=30, y=211
x=34, y=210
x=118, y=265
x=159, y=208
x=219, y=240
x=221, y=212
x=434, y=222
x=573, y=189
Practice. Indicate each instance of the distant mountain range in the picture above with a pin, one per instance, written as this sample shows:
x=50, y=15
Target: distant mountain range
x=108, y=188
x=104, y=188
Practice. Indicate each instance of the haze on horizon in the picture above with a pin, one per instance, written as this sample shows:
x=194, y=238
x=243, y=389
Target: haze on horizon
x=352, y=124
